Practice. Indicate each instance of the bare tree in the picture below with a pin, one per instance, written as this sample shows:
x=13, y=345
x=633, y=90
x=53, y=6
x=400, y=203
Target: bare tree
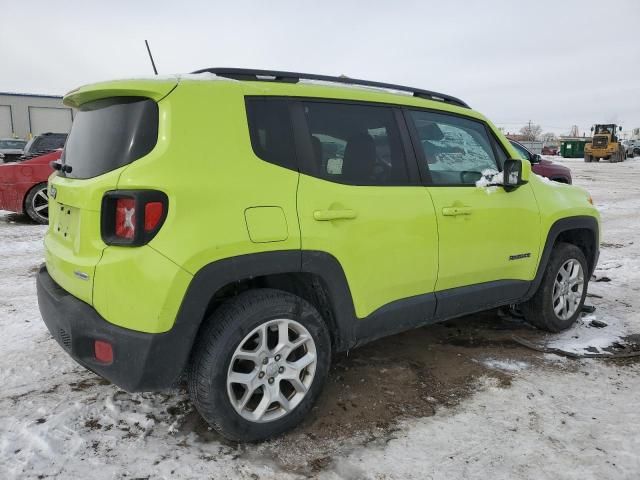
x=531, y=131
x=549, y=137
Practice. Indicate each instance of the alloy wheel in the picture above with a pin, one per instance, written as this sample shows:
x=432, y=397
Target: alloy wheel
x=40, y=203
x=271, y=370
x=567, y=289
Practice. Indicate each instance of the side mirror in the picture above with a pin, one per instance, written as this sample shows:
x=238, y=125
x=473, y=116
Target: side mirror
x=512, y=175
x=535, y=158
x=620, y=128
x=592, y=129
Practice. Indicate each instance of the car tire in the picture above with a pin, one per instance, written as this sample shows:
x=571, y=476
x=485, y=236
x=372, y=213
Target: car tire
x=557, y=303
x=36, y=204
x=280, y=396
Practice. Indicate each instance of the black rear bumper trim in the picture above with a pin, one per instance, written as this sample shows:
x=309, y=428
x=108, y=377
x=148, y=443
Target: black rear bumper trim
x=142, y=361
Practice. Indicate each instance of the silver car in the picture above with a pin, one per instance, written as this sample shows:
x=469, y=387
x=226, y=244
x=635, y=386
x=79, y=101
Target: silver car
x=631, y=147
x=11, y=149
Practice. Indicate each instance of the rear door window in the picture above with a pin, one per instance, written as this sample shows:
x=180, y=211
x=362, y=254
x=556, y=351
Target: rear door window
x=110, y=133
x=355, y=144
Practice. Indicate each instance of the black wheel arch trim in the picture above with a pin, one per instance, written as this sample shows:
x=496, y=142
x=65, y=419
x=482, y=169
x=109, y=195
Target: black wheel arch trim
x=567, y=224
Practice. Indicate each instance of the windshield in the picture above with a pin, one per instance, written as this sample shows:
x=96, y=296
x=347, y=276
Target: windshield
x=110, y=133
x=12, y=144
x=523, y=153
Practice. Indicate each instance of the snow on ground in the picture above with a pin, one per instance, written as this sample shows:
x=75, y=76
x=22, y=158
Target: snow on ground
x=508, y=365
x=567, y=425
x=553, y=418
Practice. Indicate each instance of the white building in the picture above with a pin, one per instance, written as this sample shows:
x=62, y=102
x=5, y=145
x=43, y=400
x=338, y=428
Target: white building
x=24, y=115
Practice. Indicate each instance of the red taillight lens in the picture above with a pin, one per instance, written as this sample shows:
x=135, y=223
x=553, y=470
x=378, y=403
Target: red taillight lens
x=103, y=351
x=125, y=218
x=131, y=218
x=152, y=215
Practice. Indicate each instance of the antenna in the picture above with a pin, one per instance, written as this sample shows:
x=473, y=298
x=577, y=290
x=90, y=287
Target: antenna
x=153, y=64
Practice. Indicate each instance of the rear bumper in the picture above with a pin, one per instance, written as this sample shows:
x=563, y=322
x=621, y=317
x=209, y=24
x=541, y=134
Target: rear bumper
x=141, y=361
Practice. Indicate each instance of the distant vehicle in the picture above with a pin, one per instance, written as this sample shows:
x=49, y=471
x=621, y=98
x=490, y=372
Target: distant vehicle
x=11, y=148
x=546, y=168
x=23, y=186
x=605, y=144
x=550, y=150
x=44, y=143
x=631, y=147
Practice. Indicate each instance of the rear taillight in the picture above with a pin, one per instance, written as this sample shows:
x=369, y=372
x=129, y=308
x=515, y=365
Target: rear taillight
x=125, y=221
x=132, y=217
x=153, y=212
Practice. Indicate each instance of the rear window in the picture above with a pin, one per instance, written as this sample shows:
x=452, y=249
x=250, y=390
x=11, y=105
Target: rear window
x=110, y=133
x=47, y=142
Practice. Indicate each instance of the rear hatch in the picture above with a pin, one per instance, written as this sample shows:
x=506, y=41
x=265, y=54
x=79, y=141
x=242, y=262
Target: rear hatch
x=116, y=123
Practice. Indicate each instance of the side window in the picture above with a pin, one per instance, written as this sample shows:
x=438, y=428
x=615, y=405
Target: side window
x=271, y=132
x=456, y=150
x=355, y=144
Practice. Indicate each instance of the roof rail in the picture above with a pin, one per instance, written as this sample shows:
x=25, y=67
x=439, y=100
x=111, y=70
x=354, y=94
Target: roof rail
x=294, y=77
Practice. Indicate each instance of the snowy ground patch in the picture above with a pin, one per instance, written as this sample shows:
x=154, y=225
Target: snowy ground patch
x=505, y=365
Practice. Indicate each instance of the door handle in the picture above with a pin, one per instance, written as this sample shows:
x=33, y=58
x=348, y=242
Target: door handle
x=328, y=215
x=455, y=211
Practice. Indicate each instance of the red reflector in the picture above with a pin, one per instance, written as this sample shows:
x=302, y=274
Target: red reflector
x=125, y=218
x=152, y=215
x=103, y=351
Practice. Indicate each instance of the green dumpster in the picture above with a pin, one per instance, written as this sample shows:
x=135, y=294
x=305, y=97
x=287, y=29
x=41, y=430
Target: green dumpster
x=572, y=148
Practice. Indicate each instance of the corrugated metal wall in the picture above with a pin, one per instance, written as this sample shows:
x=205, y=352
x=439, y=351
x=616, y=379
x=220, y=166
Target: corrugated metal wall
x=25, y=115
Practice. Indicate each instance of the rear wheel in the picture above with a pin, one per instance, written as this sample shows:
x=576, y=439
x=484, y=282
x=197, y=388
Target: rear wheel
x=588, y=158
x=36, y=204
x=259, y=364
x=558, y=302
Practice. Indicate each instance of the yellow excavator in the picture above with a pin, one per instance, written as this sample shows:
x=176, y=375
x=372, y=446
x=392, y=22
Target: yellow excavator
x=605, y=144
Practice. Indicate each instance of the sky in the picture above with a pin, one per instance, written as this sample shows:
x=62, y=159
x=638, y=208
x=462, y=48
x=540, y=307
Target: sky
x=555, y=63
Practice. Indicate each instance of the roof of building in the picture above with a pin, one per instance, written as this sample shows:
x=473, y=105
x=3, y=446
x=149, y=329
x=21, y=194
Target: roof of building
x=39, y=95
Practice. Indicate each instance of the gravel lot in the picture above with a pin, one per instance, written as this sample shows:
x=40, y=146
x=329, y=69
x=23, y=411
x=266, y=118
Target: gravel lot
x=457, y=400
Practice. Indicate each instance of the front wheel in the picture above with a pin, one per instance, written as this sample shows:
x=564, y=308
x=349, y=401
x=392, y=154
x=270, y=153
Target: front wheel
x=557, y=303
x=259, y=364
x=36, y=204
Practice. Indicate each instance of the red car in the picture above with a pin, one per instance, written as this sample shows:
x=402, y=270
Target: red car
x=546, y=168
x=23, y=186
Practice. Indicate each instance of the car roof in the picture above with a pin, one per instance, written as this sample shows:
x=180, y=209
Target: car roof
x=307, y=86
x=296, y=77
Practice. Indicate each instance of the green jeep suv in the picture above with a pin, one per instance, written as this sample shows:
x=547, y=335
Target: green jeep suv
x=240, y=226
